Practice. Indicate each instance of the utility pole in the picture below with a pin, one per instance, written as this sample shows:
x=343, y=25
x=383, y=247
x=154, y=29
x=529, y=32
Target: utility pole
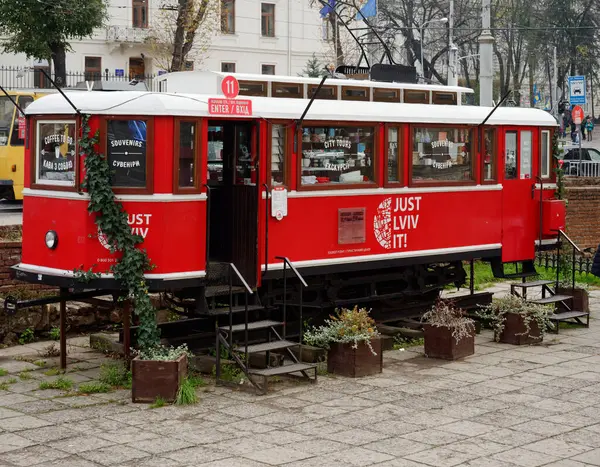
x=554, y=86
x=452, y=49
x=486, y=76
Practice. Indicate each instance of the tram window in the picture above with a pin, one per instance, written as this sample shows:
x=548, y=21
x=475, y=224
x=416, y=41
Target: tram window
x=55, y=153
x=510, y=155
x=442, y=154
x=19, y=127
x=127, y=152
x=416, y=97
x=386, y=95
x=187, y=155
x=278, y=155
x=326, y=92
x=7, y=110
x=337, y=155
x=525, y=152
x=545, y=148
x=393, y=168
x=489, y=155
x=253, y=88
x=287, y=90
x=216, y=138
x=353, y=93
x=446, y=98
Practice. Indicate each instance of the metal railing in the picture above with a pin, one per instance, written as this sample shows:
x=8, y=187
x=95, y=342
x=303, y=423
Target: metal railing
x=286, y=263
x=578, y=168
x=549, y=260
x=575, y=251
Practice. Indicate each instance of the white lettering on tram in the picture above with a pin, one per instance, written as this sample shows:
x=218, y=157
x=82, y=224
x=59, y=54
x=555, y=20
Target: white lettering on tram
x=126, y=142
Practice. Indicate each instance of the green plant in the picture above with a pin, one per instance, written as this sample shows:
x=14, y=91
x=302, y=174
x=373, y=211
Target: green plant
x=196, y=381
x=348, y=326
x=230, y=373
x=186, y=394
x=163, y=353
x=4, y=386
x=55, y=334
x=52, y=371
x=25, y=374
x=158, y=402
x=11, y=380
x=401, y=342
x=61, y=383
x=115, y=375
x=3, y=372
x=93, y=388
x=85, y=276
x=40, y=363
x=495, y=314
x=26, y=336
x=445, y=315
x=111, y=219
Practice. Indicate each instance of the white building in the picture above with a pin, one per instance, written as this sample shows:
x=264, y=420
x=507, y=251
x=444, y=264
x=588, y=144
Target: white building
x=264, y=37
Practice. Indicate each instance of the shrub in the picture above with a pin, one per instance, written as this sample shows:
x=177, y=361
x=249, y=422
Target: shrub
x=26, y=336
x=55, y=334
x=162, y=353
x=445, y=315
x=186, y=394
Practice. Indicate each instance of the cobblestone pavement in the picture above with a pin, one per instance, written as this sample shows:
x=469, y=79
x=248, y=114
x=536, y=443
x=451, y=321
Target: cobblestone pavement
x=504, y=406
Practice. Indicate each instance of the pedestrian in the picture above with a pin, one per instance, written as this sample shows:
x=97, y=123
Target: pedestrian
x=589, y=126
x=583, y=122
x=596, y=263
x=573, y=133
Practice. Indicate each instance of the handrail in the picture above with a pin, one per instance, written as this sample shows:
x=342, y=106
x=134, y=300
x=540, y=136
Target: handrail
x=241, y=278
x=208, y=210
x=561, y=232
x=298, y=275
x=266, y=228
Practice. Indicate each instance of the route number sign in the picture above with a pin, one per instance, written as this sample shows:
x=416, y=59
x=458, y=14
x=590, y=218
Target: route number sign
x=230, y=87
x=577, y=114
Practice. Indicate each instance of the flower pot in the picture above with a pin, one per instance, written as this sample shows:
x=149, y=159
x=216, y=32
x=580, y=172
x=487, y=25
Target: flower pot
x=152, y=379
x=581, y=301
x=515, y=331
x=343, y=360
x=439, y=343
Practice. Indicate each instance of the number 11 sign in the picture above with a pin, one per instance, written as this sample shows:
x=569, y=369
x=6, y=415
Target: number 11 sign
x=230, y=87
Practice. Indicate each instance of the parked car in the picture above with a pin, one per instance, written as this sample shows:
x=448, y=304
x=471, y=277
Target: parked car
x=587, y=154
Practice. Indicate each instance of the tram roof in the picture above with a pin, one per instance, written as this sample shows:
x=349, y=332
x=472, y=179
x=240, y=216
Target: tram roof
x=133, y=103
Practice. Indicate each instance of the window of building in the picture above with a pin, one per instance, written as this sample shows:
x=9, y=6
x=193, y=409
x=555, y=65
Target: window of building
x=268, y=69
x=186, y=153
x=39, y=79
x=489, y=154
x=393, y=160
x=386, y=95
x=525, y=153
x=93, y=68
x=267, y=19
x=326, y=34
x=140, y=13
x=289, y=90
x=337, y=155
x=545, y=154
x=228, y=17
x=278, y=165
x=127, y=152
x=227, y=67
x=510, y=155
x=19, y=131
x=55, y=152
x=416, y=97
x=442, y=154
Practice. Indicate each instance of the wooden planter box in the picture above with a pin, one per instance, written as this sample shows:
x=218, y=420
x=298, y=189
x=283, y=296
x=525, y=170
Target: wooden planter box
x=439, y=343
x=152, y=379
x=581, y=300
x=515, y=331
x=343, y=360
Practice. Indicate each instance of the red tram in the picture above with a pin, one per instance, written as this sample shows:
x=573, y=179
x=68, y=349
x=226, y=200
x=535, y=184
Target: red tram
x=370, y=191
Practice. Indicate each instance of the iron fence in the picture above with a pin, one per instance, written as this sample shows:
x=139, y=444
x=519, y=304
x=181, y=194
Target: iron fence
x=578, y=168
x=15, y=78
x=548, y=260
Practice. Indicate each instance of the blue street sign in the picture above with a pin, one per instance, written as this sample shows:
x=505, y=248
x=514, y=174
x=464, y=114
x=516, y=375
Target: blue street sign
x=119, y=72
x=577, y=90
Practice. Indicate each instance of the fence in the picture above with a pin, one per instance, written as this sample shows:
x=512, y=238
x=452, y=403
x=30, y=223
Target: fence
x=32, y=78
x=581, y=168
x=548, y=260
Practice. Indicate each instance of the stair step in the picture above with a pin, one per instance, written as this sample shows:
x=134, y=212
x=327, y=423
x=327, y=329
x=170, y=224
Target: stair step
x=553, y=299
x=282, y=370
x=525, y=285
x=252, y=326
x=567, y=315
x=222, y=290
x=521, y=275
x=268, y=346
x=235, y=309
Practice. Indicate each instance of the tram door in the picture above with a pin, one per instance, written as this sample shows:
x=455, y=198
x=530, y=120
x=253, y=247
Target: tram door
x=232, y=224
x=519, y=219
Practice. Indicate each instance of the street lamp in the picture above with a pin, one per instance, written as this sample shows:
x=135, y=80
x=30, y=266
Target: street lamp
x=440, y=20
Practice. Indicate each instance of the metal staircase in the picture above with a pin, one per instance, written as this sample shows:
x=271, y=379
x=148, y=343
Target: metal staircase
x=244, y=336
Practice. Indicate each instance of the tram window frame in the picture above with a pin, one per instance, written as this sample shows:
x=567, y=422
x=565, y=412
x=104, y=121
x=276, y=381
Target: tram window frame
x=410, y=100
x=254, y=84
x=378, y=97
x=399, y=152
x=15, y=141
x=312, y=88
x=52, y=185
x=366, y=96
x=546, y=135
x=149, y=188
x=494, y=156
x=287, y=140
x=473, y=180
x=276, y=86
x=197, y=156
x=437, y=95
x=517, y=158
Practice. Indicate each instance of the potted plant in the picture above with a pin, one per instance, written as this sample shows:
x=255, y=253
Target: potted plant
x=449, y=334
x=516, y=321
x=581, y=300
x=352, y=341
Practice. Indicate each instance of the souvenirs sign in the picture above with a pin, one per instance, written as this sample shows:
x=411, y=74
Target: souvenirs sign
x=126, y=152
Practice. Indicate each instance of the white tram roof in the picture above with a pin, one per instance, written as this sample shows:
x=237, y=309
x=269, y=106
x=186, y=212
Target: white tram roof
x=133, y=103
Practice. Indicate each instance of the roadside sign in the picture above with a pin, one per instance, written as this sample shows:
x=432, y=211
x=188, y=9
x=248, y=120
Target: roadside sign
x=577, y=90
x=230, y=87
x=577, y=114
x=22, y=127
x=235, y=107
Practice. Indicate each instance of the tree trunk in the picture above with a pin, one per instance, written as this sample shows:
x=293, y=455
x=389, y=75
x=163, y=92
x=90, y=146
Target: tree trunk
x=177, y=62
x=59, y=58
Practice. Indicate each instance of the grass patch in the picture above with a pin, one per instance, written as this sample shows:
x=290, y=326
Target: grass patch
x=25, y=375
x=40, y=363
x=401, y=342
x=11, y=380
x=94, y=388
x=186, y=394
x=196, y=381
x=61, y=383
x=3, y=372
x=4, y=386
x=52, y=371
x=158, y=402
x=230, y=373
x=54, y=334
x=115, y=375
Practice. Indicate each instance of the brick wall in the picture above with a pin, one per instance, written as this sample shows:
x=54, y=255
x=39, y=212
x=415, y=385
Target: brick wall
x=583, y=211
x=10, y=254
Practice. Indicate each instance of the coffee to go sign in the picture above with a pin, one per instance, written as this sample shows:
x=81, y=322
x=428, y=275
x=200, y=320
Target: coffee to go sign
x=230, y=105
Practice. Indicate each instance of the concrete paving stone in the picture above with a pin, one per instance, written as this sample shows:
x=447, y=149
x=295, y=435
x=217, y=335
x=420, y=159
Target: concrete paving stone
x=428, y=419
x=237, y=462
x=247, y=410
x=281, y=437
x=16, y=366
x=356, y=456
x=414, y=389
x=454, y=396
x=79, y=444
x=555, y=405
x=582, y=436
x=591, y=412
x=313, y=428
x=36, y=407
x=319, y=411
x=48, y=393
x=126, y=435
x=198, y=455
x=570, y=419
x=23, y=387
x=160, y=445
x=154, y=461
x=487, y=462
x=318, y=446
x=12, y=442
x=22, y=422
x=111, y=455
x=542, y=428
x=587, y=376
x=240, y=446
x=567, y=463
x=527, y=377
x=524, y=457
x=491, y=404
x=567, y=382
x=287, y=402
x=362, y=418
x=9, y=413
x=478, y=447
x=207, y=436
x=579, y=396
x=64, y=416
x=398, y=446
x=511, y=437
x=462, y=411
x=442, y=383
x=33, y=455
x=137, y=418
x=281, y=419
x=518, y=398
x=48, y=433
x=277, y=456
x=97, y=426
x=248, y=426
x=418, y=403
x=467, y=428
x=590, y=457
x=9, y=399
x=555, y=370
x=433, y=437
x=384, y=382
x=499, y=419
x=73, y=461
x=595, y=428
x=525, y=411
x=350, y=402
x=557, y=447
x=355, y=436
x=440, y=457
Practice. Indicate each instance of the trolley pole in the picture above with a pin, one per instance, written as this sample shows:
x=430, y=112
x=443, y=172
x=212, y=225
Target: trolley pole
x=453, y=50
x=486, y=75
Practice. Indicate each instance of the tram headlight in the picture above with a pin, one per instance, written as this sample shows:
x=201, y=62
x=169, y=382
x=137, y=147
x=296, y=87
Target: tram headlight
x=51, y=239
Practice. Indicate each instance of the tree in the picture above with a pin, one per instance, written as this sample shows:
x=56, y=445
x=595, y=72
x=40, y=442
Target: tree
x=182, y=32
x=42, y=29
x=313, y=69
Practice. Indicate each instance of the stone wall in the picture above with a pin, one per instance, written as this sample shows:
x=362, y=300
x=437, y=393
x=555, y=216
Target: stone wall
x=583, y=211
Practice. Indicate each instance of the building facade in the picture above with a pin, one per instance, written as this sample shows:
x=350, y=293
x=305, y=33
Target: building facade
x=248, y=36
